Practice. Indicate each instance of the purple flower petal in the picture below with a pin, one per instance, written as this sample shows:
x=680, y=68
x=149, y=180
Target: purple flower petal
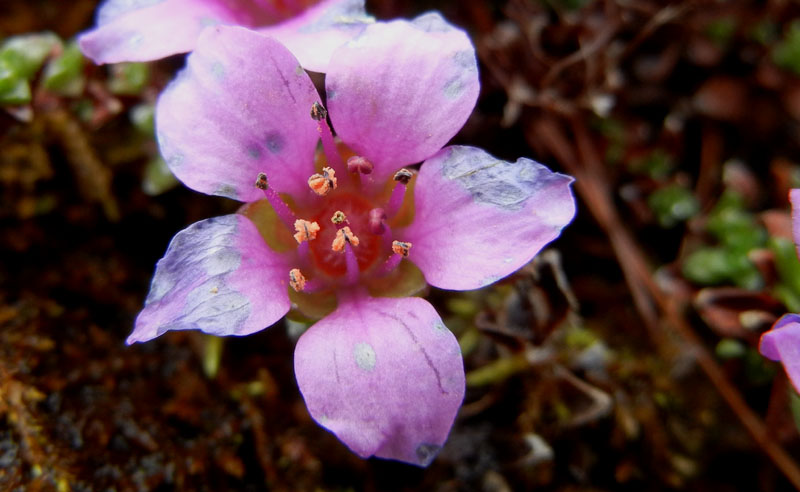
x=217, y=276
x=315, y=34
x=782, y=343
x=399, y=91
x=383, y=374
x=241, y=106
x=478, y=218
x=143, y=30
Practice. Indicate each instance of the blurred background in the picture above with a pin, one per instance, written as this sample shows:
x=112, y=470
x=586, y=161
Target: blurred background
x=624, y=357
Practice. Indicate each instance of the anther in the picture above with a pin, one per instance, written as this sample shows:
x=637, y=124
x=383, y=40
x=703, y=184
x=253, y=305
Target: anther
x=358, y=164
x=338, y=218
x=323, y=183
x=297, y=280
x=318, y=112
x=403, y=176
x=281, y=209
x=344, y=235
x=261, y=181
x=401, y=248
x=377, y=218
x=306, y=231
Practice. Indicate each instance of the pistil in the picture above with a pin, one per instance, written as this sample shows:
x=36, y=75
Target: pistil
x=377, y=221
x=359, y=165
x=339, y=219
x=281, y=209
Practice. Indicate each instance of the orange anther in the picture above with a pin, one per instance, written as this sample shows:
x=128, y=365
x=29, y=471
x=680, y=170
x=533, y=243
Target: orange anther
x=401, y=248
x=297, y=280
x=342, y=235
x=323, y=183
x=306, y=231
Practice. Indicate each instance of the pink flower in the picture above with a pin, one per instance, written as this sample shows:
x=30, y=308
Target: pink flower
x=144, y=30
x=347, y=243
x=782, y=342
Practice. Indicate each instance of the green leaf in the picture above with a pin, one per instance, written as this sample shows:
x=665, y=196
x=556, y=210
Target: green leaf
x=27, y=52
x=658, y=165
x=143, y=118
x=673, y=204
x=788, y=267
x=736, y=228
x=128, y=79
x=13, y=88
x=794, y=405
x=721, y=30
x=717, y=265
x=64, y=74
x=158, y=178
x=786, y=54
x=730, y=348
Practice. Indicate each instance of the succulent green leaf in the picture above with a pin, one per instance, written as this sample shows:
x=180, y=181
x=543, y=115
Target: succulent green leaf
x=64, y=74
x=27, y=52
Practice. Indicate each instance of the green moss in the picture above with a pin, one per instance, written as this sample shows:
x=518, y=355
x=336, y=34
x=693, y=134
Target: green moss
x=673, y=204
x=786, y=54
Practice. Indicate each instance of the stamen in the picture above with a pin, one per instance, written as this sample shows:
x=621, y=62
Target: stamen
x=389, y=265
x=358, y=164
x=306, y=231
x=297, y=280
x=402, y=177
x=351, y=262
x=377, y=218
x=284, y=212
x=401, y=248
x=323, y=183
x=319, y=114
x=338, y=218
x=344, y=236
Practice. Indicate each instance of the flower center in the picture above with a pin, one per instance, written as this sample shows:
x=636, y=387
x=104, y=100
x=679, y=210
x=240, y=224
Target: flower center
x=341, y=234
x=356, y=210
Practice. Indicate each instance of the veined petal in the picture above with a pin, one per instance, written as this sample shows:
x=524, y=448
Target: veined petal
x=478, y=218
x=241, y=106
x=400, y=90
x=143, y=30
x=217, y=276
x=315, y=34
x=782, y=343
x=383, y=374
